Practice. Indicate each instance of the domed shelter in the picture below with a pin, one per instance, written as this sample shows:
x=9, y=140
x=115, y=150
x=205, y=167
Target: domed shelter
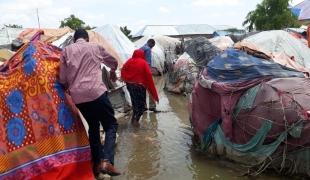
x=120, y=43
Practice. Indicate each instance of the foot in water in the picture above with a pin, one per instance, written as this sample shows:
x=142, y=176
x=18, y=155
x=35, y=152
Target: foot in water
x=154, y=110
x=135, y=123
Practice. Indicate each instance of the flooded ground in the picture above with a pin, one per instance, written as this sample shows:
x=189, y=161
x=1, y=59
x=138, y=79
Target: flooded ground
x=163, y=148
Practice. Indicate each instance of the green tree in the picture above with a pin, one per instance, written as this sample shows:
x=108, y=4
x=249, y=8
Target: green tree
x=127, y=32
x=271, y=14
x=13, y=26
x=74, y=23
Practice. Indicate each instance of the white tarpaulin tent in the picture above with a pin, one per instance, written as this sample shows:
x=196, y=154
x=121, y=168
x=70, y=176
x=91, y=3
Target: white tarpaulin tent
x=279, y=41
x=222, y=42
x=122, y=45
x=7, y=35
x=164, y=41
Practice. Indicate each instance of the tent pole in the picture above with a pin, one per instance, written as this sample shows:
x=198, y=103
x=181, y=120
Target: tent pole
x=38, y=17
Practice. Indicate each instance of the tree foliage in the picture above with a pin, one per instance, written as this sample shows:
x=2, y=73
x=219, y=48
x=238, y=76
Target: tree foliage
x=127, y=32
x=13, y=26
x=271, y=14
x=74, y=23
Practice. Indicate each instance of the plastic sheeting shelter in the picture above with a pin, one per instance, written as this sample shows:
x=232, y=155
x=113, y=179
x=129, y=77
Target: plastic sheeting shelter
x=254, y=112
x=106, y=44
x=270, y=123
x=167, y=43
x=236, y=66
x=201, y=50
x=49, y=36
x=222, y=42
x=278, y=41
x=302, y=10
x=121, y=44
x=7, y=35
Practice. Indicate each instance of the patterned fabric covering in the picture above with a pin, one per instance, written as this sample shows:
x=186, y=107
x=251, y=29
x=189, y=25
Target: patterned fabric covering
x=41, y=134
x=237, y=66
x=201, y=50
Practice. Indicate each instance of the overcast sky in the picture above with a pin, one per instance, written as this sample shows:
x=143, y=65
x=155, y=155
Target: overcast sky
x=134, y=13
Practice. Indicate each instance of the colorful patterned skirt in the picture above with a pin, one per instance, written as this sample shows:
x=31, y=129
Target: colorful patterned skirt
x=41, y=134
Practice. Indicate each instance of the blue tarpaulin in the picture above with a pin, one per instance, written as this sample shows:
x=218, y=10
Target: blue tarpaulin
x=237, y=66
x=302, y=10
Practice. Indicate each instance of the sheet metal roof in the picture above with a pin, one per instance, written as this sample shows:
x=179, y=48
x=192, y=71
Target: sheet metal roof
x=175, y=30
x=149, y=30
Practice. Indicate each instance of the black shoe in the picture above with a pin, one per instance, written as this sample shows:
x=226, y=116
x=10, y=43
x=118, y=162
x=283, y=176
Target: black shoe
x=154, y=110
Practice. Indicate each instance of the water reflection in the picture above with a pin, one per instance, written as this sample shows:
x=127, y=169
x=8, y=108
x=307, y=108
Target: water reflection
x=162, y=148
x=144, y=158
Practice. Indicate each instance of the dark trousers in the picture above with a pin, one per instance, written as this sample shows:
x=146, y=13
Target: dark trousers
x=96, y=112
x=138, y=98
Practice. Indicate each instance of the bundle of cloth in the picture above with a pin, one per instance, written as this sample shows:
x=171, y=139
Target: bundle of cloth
x=253, y=111
x=181, y=78
x=201, y=50
x=42, y=136
x=198, y=52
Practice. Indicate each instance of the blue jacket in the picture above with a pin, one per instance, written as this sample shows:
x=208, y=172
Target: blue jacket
x=148, y=54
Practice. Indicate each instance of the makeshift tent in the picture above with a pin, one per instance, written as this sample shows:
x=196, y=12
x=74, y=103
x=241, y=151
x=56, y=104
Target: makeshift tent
x=62, y=38
x=42, y=136
x=201, y=50
x=236, y=66
x=182, y=77
x=240, y=110
x=49, y=35
x=7, y=35
x=122, y=45
x=277, y=42
x=302, y=10
x=106, y=44
x=222, y=42
x=299, y=33
x=270, y=123
x=167, y=43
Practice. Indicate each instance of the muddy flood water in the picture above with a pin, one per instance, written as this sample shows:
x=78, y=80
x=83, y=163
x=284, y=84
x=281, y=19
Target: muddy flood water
x=163, y=147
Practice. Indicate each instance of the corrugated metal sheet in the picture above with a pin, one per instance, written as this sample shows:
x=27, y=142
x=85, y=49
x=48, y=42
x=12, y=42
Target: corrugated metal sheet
x=149, y=30
x=176, y=30
x=192, y=29
x=223, y=27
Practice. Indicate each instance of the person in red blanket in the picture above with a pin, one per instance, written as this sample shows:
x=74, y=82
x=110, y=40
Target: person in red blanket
x=138, y=77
